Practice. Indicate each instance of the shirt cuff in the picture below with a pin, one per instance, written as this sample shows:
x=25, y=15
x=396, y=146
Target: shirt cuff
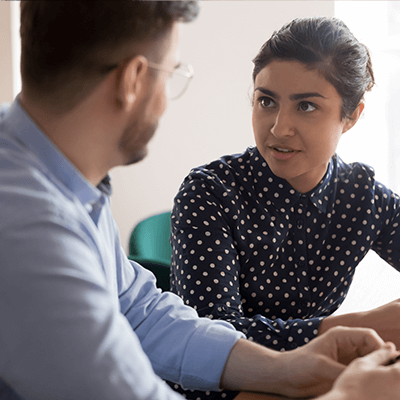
x=211, y=344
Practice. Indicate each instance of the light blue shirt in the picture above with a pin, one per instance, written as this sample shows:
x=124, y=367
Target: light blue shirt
x=77, y=319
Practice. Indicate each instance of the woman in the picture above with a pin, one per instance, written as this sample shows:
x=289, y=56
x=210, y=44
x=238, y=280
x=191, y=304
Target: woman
x=269, y=239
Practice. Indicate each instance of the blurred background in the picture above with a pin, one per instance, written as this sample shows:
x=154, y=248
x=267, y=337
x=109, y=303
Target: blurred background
x=213, y=118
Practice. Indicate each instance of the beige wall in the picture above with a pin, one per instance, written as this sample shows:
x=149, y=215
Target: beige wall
x=6, y=88
x=214, y=116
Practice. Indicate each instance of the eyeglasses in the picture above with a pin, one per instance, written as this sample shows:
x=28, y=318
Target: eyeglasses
x=178, y=80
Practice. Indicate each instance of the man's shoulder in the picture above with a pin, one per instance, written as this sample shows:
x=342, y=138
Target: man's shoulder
x=3, y=109
x=27, y=189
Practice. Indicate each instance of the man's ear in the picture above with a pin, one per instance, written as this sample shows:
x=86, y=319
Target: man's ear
x=354, y=117
x=131, y=81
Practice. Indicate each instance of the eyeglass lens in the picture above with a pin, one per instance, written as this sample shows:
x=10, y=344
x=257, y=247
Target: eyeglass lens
x=179, y=82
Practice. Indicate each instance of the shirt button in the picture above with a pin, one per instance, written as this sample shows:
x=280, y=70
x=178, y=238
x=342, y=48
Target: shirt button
x=302, y=263
x=300, y=223
x=293, y=345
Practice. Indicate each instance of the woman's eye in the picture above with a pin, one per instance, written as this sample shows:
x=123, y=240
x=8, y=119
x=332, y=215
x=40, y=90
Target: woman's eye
x=266, y=102
x=306, y=106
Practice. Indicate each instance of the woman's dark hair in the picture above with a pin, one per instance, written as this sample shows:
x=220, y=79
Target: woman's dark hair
x=327, y=45
x=69, y=42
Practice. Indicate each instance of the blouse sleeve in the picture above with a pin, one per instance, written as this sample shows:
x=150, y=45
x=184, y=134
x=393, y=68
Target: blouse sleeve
x=386, y=224
x=206, y=270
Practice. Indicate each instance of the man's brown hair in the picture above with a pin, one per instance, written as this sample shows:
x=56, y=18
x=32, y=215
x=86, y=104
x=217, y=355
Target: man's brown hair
x=67, y=46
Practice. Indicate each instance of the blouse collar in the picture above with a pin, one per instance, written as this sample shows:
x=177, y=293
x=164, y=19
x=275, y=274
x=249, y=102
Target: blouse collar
x=282, y=195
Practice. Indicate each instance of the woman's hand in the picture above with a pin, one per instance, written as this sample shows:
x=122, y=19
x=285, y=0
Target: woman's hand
x=369, y=378
x=384, y=320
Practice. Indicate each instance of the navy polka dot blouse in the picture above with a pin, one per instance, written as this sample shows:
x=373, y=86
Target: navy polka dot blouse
x=249, y=249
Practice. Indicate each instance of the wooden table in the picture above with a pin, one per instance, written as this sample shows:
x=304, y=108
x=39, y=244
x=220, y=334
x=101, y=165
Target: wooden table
x=259, y=396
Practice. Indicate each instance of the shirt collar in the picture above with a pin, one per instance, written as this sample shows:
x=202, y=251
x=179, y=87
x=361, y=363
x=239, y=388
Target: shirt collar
x=283, y=196
x=17, y=122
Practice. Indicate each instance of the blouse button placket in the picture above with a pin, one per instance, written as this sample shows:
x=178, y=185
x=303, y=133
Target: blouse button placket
x=301, y=252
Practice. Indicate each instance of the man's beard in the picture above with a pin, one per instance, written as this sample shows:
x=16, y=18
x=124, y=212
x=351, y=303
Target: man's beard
x=136, y=150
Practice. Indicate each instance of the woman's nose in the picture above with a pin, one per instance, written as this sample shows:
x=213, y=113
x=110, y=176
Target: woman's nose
x=283, y=125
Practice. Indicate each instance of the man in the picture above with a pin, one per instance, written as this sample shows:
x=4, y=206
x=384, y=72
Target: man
x=78, y=320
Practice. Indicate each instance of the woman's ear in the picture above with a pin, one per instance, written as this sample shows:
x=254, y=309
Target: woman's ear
x=352, y=120
x=131, y=82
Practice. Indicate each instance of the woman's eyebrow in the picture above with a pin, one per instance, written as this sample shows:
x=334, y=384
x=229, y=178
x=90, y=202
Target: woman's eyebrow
x=293, y=97
x=267, y=92
x=301, y=96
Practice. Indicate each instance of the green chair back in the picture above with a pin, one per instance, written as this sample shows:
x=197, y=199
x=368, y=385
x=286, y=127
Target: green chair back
x=149, y=246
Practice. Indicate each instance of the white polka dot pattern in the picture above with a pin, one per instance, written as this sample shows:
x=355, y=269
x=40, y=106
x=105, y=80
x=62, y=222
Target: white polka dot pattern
x=249, y=249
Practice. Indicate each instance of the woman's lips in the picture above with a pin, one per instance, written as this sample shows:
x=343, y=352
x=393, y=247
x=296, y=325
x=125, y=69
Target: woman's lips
x=282, y=153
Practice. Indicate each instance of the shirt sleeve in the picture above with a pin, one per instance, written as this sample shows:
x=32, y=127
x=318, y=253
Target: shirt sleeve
x=386, y=223
x=162, y=322
x=63, y=333
x=206, y=269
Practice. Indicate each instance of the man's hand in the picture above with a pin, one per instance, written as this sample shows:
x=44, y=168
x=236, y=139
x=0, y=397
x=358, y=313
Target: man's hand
x=311, y=369
x=307, y=371
x=369, y=378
